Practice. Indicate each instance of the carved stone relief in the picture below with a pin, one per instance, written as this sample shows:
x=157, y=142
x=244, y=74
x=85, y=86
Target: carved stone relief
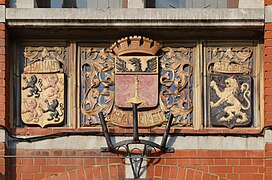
x=230, y=86
x=161, y=85
x=42, y=86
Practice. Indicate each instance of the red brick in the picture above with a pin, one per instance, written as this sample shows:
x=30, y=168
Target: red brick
x=53, y=169
x=78, y=161
x=64, y=177
x=257, y=161
x=268, y=59
x=38, y=176
x=51, y=161
x=27, y=161
x=165, y=172
x=245, y=169
x=105, y=172
x=233, y=176
x=197, y=175
x=183, y=161
x=73, y=175
x=189, y=174
x=267, y=2
x=208, y=161
x=2, y=26
x=268, y=26
x=209, y=153
x=205, y=176
x=27, y=176
x=268, y=67
x=268, y=74
x=220, y=161
x=64, y=161
x=97, y=172
x=2, y=49
x=81, y=174
x=89, y=173
x=234, y=153
x=101, y=161
x=186, y=153
x=173, y=172
x=257, y=176
x=171, y=161
x=113, y=170
x=268, y=115
x=28, y=169
x=268, y=34
x=220, y=169
x=232, y=161
x=203, y=168
x=158, y=171
x=195, y=161
x=268, y=42
x=245, y=176
x=268, y=146
x=39, y=161
x=245, y=161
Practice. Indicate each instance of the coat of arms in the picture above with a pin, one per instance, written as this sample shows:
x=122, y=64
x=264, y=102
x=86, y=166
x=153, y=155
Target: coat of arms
x=42, y=86
x=132, y=72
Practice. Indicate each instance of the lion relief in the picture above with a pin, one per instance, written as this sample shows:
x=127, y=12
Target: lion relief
x=227, y=95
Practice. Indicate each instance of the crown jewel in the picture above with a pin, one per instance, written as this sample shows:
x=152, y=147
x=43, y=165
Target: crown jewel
x=135, y=44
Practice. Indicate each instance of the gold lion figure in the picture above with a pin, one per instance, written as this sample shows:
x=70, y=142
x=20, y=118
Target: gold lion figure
x=227, y=95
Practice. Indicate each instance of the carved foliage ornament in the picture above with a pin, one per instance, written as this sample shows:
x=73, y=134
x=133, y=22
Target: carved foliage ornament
x=42, y=86
x=111, y=83
x=230, y=86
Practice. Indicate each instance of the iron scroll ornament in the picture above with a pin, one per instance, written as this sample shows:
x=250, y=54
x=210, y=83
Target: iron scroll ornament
x=136, y=159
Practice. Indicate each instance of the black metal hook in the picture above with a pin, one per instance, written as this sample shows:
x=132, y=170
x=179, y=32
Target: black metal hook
x=136, y=160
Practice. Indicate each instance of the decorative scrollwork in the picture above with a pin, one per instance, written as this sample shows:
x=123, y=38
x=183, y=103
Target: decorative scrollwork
x=176, y=88
x=98, y=83
x=229, y=60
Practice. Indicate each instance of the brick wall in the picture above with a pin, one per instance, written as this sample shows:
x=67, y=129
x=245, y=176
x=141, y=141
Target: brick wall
x=209, y=164
x=268, y=70
x=3, y=93
x=55, y=164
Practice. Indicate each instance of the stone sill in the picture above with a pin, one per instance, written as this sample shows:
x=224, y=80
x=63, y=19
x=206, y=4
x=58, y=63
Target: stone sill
x=134, y=17
x=159, y=131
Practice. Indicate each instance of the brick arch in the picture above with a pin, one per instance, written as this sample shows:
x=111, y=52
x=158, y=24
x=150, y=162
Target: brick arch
x=115, y=171
x=181, y=173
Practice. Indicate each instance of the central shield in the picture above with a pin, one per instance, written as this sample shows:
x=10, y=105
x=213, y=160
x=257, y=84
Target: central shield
x=136, y=81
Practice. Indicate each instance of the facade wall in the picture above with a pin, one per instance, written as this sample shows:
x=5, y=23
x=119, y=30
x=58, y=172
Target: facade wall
x=237, y=162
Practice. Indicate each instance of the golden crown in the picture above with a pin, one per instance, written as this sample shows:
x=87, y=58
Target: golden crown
x=135, y=44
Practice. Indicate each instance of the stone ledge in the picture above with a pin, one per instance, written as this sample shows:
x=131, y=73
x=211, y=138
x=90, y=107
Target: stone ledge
x=135, y=17
x=2, y=13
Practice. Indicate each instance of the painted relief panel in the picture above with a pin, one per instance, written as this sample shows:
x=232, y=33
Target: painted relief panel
x=160, y=84
x=42, y=86
x=230, y=86
x=136, y=77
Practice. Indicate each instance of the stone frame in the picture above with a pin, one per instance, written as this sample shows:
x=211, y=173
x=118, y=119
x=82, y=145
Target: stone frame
x=199, y=78
x=257, y=81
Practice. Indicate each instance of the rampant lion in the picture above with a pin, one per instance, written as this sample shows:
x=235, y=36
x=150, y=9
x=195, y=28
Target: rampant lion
x=227, y=95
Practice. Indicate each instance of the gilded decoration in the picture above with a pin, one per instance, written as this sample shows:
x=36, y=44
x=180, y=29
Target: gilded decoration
x=42, y=86
x=113, y=80
x=230, y=85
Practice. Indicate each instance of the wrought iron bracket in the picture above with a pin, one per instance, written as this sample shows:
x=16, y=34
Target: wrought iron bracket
x=136, y=155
